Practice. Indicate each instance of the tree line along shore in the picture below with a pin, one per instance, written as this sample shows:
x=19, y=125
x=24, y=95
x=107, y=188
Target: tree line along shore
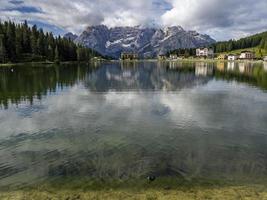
x=20, y=43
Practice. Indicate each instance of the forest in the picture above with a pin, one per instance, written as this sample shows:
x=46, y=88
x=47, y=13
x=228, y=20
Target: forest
x=257, y=40
x=25, y=43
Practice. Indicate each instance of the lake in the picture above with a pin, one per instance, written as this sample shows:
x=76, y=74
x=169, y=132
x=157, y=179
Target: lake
x=131, y=120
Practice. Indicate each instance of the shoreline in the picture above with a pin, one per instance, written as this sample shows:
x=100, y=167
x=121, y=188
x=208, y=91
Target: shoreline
x=132, y=61
x=149, y=191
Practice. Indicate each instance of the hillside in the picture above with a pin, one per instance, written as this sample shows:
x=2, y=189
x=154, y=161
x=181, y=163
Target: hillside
x=256, y=43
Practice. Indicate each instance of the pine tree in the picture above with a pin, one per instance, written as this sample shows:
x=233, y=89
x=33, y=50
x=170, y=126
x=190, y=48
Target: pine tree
x=79, y=54
x=41, y=43
x=260, y=52
x=2, y=50
x=57, y=55
x=19, y=43
x=26, y=38
x=262, y=43
x=11, y=48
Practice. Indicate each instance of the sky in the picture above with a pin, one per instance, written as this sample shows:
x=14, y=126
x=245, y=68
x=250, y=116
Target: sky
x=221, y=19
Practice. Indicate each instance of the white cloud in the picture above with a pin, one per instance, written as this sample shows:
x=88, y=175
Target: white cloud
x=221, y=19
x=224, y=19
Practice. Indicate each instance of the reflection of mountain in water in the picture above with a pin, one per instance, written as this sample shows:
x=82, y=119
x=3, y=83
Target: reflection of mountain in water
x=143, y=76
x=33, y=82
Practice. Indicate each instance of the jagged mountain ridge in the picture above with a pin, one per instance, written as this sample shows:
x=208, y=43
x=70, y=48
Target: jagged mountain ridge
x=147, y=42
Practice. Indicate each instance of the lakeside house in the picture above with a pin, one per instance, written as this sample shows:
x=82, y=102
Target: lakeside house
x=205, y=52
x=232, y=57
x=162, y=57
x=222, y=57
x=247, y=55
x=129, y=56
x=173, y=57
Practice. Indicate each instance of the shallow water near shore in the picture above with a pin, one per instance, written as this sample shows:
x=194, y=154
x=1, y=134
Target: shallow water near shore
x=116, y=122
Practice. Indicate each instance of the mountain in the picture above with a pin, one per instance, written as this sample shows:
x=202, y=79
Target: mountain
x=147, y=42
x=70, y=36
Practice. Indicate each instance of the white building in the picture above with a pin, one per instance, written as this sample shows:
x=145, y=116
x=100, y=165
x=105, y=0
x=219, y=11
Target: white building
x=247, y=55
x=205, y=52
x=232, y=57
x=173, y=57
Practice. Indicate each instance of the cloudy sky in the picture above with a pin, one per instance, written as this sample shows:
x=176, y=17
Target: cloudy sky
x=222, y=19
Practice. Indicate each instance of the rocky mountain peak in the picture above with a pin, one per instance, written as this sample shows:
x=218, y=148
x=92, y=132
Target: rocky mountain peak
x=70, y=36
x=147, y=42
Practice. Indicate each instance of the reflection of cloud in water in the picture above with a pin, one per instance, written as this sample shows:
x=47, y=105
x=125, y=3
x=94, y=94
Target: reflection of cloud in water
x=122, y=134
x=72, y=107
x=196, y=130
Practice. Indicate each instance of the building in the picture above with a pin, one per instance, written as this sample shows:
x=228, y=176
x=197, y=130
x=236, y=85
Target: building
x=162, y=57
x=129, y=56
x=222, y=57
x=173, y=57
x=232, y=57
x=205, y=52
x=247, y=55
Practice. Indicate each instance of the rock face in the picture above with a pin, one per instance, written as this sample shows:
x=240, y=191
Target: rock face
x=71, y=36
x=147, y=42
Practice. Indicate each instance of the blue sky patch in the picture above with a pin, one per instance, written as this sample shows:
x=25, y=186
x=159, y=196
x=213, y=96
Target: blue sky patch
x=24, y=9
x=48, y=27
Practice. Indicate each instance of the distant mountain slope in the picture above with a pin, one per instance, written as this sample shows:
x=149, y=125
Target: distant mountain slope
x=256, y=43
x=258, y=40
x=147, y=42
x=71, y=36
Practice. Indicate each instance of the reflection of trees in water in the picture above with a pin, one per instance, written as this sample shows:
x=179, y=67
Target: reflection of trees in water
x=26, y=82
x=247, y=72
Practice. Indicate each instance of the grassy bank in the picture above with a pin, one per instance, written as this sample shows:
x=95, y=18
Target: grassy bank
x=75, y=189
x=231, y=192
